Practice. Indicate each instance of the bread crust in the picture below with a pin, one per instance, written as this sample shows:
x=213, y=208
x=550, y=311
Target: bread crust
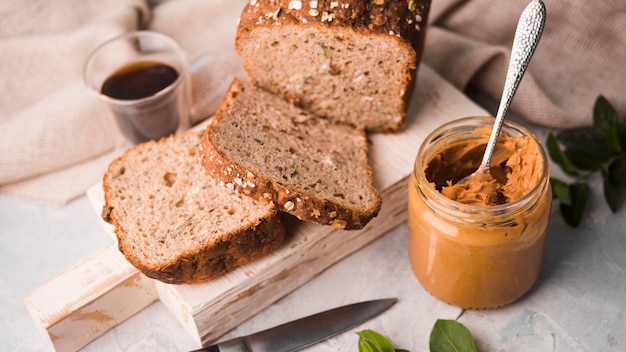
x=217, y=257
x=228, y=252
x=301, y=204
x=304, y=206
x=403, y=19
x=403, y=22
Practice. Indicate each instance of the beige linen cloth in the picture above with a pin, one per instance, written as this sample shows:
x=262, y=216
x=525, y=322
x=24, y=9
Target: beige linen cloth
x=58, y=138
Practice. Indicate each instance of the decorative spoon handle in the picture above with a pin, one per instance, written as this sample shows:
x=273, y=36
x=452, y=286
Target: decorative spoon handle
x=527, y=34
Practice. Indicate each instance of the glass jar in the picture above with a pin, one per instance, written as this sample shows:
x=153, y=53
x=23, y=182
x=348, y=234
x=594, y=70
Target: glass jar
x=476, y=256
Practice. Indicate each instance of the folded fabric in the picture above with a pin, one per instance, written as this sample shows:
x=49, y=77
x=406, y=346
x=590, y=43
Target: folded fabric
x=581, y=55
x=46, y=114
x=58, y=139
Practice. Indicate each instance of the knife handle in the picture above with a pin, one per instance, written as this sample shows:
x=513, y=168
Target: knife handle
x=212, y=348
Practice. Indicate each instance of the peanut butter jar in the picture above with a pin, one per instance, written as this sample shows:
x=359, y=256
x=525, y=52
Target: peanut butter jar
x=468, y=253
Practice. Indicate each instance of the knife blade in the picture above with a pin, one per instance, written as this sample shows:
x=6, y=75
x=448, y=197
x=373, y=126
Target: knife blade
x=306, y=331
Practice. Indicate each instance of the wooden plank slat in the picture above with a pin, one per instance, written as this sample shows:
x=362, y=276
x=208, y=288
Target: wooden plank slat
x=77, y=306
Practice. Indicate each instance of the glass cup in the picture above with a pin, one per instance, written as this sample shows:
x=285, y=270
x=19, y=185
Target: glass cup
x=144, y=78
x=476, y=256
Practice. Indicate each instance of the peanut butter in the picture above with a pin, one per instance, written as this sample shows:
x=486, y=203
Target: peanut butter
x=514, y=171
x=481, y=244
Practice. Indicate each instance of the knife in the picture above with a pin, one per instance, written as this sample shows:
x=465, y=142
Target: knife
x=306, y=331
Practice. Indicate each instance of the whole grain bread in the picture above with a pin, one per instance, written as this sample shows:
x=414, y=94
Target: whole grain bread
x=349, y=60
x=175, y=223
x=312, y=168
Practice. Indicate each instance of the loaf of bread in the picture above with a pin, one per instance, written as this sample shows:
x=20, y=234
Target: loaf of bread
x=175, y=223
x=264, y=147
x=349, y=60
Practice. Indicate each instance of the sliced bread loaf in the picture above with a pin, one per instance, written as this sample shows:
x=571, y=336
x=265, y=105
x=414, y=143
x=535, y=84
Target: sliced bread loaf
x=265, y=147
x=351, y=60
x=175, y=223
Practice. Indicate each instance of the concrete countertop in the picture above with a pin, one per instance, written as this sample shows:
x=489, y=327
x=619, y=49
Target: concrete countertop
x=578, y=303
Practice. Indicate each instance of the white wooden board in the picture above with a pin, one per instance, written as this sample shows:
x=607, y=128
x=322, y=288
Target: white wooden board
x=211, y=309
x=90, y=298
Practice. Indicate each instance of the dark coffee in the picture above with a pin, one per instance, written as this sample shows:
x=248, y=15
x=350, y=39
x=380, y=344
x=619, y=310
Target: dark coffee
x=139, y=80
x=155, y=117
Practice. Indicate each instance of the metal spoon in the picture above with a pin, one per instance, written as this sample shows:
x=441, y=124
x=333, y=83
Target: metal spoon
x=527, y=34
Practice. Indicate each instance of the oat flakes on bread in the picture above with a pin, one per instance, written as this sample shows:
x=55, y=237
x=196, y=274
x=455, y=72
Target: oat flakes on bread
x=312, y=168
x=175, y=223
x=348, y=60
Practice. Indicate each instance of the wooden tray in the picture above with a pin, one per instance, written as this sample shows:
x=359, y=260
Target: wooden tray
x=79, y=305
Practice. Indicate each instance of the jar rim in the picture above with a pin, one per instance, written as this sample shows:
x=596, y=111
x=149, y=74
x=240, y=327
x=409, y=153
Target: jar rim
x=458, y=209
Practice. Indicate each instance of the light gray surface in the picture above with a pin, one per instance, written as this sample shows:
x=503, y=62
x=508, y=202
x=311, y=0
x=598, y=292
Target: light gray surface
x=578, y=304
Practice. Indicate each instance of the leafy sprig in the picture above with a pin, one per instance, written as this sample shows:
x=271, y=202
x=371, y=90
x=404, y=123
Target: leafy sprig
x=584, y=151
x=446, y=336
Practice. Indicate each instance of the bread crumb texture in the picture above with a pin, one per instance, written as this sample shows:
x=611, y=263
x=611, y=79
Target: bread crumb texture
x=174, y=222
x=310, y=167
x=350, y=61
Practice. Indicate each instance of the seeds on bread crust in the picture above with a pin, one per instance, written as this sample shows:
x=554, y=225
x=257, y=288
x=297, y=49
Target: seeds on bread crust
x=175, y=223
x=309, y=167
x=352, y=61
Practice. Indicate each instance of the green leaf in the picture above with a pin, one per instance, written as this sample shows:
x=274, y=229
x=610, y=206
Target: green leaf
x=366, y=346
x=600, y=147
x=574, y=136
x=573, y=213
x=584, y=159
x=604, y=115
x=559, y=157
x=621, y=135
x=614, y=185
x=449, y=335
x=371, y=341
x=561, y=191
x=588, y=138
x=612, y=140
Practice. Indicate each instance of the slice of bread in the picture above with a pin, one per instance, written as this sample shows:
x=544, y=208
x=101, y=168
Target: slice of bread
x=352, y=60
x=175, y=223
x=267, y=148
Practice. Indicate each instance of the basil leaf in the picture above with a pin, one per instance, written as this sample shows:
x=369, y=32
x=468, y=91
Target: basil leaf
x=589, y=138
x=621, y=135
x=584, y=159
x=573, y=213
x=559, y=157
x=371, y=341
x=614, y=185
x=366, y=346
x=612, y=140
x=605, y=119
x=450, y=335
x=604, y=115
x=561, y=191
x=600, y=147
